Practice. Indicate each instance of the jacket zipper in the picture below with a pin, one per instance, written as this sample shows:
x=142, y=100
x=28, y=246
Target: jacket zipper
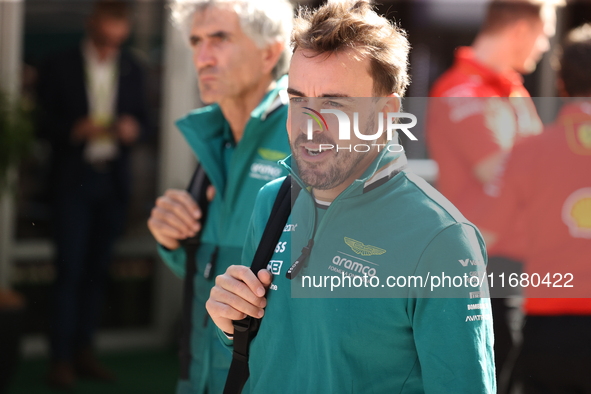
x=301, y=261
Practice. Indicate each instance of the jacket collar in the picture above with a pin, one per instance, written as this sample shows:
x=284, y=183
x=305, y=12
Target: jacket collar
x=209, y=122
x=505, y=82
x=207, y=132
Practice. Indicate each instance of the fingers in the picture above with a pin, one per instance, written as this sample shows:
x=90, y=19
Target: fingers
x=128, y=129
x=178, y=210
x=241, y=281
x=238, y=306
x=210, y=193
x=175, y=216
x=85, y=129
x=223, y=314
x=172, y=224
x=165, y=230
x=236, y=294
x=244, y=291
x=163, y=237
x=183, y=198
x=265, y=278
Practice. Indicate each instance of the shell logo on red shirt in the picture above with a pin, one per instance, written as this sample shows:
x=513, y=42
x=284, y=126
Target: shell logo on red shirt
x=576, y=213
x=584, y=134
x=578, y=134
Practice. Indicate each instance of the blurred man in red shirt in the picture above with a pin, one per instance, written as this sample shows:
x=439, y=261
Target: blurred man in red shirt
x=478, y=110
x=470, y=137
x=547, y=179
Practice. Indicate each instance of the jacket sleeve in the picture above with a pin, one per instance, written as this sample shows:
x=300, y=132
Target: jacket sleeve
x=55, y=121
x=452, y=326
x=138, y=103
x=174, y=259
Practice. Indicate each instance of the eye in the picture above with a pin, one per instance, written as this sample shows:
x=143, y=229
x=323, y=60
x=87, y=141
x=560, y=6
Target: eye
x=334, y=104
x=297, y=99
x=219, y=38
x=194, y=41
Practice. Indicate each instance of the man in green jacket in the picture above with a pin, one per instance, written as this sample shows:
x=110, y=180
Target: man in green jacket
x=240, y=54
x=372, y=310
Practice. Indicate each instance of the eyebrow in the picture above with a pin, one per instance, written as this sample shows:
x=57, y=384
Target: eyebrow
x=295, y=92
x=217, y=34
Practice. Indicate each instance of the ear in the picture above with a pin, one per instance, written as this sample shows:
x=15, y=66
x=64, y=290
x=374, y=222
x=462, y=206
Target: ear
x=271, y=54
x=519, y=29
x=390, y=103
x=393, y=103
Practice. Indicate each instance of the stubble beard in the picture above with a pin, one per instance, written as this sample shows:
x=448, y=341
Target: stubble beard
x=332, y=173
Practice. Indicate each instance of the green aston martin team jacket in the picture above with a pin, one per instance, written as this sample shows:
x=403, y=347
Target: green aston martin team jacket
x=390, y=239
x=237, y=171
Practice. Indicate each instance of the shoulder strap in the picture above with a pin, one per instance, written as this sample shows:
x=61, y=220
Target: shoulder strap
x=198, y=190
x=247, y=328
x=274, y=228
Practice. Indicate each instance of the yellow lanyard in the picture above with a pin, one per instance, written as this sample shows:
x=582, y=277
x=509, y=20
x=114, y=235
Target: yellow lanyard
x=101, y=95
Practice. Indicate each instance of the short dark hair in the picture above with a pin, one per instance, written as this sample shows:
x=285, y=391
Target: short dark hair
x=503, y=13
x=341, y=25
x=116, y=9
x=575, y=62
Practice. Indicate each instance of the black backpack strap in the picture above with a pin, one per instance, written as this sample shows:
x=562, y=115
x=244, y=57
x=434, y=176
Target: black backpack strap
x=198, y=190
x=246, y=329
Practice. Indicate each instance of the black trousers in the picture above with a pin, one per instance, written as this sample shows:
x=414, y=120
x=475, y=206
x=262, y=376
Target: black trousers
x=506, y=303
x=11, y=322
x=88, y=219
x=556, y=355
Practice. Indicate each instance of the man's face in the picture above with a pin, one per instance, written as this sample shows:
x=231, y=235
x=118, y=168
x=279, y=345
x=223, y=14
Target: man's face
x=227, y=61
x=109, y=32
x=321, y=82
x=532, y=43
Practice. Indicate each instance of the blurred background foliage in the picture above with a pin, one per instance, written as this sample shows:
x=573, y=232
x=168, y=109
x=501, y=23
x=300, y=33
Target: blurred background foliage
x=16, y=135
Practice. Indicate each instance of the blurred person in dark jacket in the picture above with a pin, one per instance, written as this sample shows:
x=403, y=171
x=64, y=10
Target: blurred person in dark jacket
x=92, y=98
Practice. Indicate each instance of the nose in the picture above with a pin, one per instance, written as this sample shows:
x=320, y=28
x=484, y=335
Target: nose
x=311, y=124
x=544, y=44
x=203, y=56
x=314, y=120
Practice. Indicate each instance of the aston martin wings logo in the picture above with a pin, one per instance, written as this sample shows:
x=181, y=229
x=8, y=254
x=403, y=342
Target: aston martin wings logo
x=362, y=249
x=271, y=155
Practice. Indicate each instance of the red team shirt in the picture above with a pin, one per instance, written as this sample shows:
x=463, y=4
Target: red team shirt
x=474, y=113
x=548, y=179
